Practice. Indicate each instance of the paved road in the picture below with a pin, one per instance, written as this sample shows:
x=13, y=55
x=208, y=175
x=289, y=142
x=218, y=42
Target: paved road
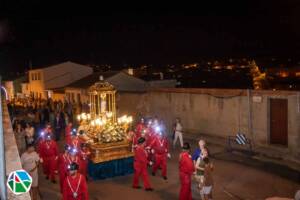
x=233, y=181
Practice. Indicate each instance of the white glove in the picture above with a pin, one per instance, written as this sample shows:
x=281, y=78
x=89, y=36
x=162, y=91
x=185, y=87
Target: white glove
x=152, y=151
x=41, y=160
x=169, y=155
x=150, y=163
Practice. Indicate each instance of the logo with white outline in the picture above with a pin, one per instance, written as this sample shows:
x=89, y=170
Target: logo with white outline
x=19, y=182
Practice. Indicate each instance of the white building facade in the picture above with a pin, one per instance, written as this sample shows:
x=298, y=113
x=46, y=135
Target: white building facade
x=44, y=81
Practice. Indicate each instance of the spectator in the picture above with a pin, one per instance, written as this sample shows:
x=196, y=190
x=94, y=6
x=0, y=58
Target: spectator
x=200, y=166
x=20, y=137
x=178, y=133
x=198, y=150
x=58, y=126
x=30, y=162
x=29, y=134
x=208, y=180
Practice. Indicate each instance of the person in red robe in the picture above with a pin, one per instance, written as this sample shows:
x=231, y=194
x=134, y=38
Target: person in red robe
x=49, y=154
x=74, y=157
x=186, y=169
x=41, y=139
x=84, y=156
x=136, y=137
x=63, y=165
x=140, y=126
x=48, y=130
x=68, y=131
x=75, y=186
x=74, y=141
x=140, y=166
x=160, y=149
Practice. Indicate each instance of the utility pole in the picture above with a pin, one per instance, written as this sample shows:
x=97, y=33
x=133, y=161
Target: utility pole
x=3, y=194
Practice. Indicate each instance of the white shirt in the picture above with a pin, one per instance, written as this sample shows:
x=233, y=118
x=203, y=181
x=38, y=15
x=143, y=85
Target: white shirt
x=29, y=160
x=178, y=127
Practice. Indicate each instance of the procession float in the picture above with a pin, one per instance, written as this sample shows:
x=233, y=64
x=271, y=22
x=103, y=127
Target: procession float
x=104, y=132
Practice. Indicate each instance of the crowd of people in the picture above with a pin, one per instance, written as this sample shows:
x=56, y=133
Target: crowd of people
x=40, y=124
x=151, y=148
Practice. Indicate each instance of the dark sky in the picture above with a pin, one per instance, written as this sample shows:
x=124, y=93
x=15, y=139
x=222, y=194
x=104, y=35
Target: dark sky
x=48, y=33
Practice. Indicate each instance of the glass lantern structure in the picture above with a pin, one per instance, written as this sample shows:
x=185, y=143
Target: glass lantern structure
x=102, y=96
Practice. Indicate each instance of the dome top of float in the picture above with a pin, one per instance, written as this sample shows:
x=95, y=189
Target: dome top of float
x=101, y=86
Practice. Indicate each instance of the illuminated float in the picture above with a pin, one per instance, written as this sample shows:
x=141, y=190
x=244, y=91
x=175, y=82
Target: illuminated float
x=105, y=134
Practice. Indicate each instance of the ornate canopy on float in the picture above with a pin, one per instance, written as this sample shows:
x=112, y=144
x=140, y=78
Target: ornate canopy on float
x=105, y=134
x=102, y=96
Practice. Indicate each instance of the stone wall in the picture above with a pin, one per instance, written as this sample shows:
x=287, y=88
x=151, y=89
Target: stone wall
x=216, y=112
x=12, y=157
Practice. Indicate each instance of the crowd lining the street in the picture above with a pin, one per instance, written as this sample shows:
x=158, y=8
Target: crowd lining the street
x=39, y=124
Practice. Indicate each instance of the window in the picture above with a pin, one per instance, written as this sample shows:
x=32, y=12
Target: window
x=32, y=76
x=39, y=76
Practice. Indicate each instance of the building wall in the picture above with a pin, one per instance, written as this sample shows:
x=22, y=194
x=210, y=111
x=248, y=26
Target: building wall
x=25, y=89
x=41, y=80
x=36, y=83
x=76, y=95
x=65, y=73
x=58, y=96
x=219, y=113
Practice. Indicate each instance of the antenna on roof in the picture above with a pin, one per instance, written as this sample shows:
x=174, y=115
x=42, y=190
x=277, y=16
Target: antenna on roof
x=101, y=78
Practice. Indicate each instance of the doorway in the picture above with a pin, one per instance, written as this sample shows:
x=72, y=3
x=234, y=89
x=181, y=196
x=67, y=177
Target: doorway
x=279, y=122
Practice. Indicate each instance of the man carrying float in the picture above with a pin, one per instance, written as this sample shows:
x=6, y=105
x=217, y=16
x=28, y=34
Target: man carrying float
x=140, y=166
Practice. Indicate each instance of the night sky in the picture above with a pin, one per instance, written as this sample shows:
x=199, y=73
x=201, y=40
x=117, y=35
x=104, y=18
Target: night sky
x=49, y=33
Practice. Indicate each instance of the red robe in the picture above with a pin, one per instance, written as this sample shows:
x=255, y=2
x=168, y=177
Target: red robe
x=74, y=143
x=39, y=144
x=63, y=168
x=75, y=184
x=139, y=128
x=186, y=169
x=49, y=154
x=84, y=156
x=140, y=167
x=150, y=136
x=48, y=131
x=135, y=139
x=161, y=149
x=68, y=131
